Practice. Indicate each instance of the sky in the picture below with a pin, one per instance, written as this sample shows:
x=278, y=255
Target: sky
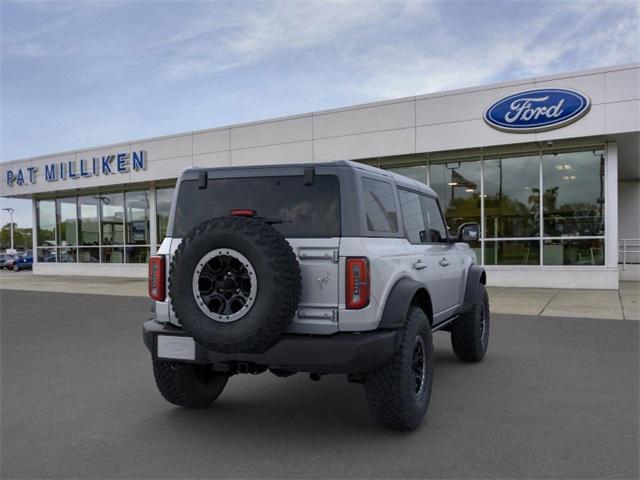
x=87, y=73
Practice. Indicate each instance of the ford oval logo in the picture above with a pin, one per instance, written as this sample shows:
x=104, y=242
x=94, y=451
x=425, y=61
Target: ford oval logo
x=537, y=110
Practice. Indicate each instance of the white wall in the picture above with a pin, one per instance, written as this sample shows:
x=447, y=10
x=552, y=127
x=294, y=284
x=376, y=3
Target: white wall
x=553, y=277
x=92, y=269
x=629, y=226
x=629, y=209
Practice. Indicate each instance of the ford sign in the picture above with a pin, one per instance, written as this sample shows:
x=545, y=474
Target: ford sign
x=537, y=110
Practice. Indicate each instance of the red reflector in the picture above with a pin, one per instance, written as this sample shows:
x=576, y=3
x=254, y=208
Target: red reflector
x=358, y=282
x=157, y=278
x=243, y=212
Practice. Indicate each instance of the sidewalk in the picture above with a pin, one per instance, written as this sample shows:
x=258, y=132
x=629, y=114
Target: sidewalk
x=606, y=304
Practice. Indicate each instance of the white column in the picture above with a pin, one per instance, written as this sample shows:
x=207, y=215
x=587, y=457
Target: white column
x=153, y=217
x=611, y=205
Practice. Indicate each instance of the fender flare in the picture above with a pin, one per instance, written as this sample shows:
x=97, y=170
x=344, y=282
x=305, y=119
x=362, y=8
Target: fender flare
x=398, y=302
x=475, y=277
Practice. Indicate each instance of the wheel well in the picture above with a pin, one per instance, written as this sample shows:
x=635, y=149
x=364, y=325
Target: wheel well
x=422, y=299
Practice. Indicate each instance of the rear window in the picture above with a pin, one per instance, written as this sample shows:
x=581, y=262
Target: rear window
x=380, y=206
x=306, y=210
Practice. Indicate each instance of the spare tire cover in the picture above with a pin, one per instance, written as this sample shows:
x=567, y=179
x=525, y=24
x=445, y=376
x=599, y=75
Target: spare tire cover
x=234, y=284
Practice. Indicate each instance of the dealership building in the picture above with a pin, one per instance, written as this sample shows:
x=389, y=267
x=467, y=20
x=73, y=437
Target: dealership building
x=549, y=166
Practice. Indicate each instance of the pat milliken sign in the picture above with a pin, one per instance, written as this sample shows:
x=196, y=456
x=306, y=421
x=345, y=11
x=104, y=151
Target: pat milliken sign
x=537, y=110
x=105, y=165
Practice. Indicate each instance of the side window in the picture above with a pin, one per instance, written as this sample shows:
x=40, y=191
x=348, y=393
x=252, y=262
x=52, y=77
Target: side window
x=414, y=221
x=380, y=207
x=436, y=229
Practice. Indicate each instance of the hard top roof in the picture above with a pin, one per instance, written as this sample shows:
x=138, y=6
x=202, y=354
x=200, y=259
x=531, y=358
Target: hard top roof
x=400, y=180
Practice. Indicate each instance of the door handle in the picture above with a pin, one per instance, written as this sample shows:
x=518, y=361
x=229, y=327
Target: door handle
x=444, y=262
x=419, y=265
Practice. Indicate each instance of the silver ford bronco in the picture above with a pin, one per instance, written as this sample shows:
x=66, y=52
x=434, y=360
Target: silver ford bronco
x=326, y=268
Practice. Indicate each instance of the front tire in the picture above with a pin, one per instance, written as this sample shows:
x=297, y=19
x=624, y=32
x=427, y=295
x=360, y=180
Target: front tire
x=470, y=331
x=16, y=268
x=188, y=385
x=398, y=394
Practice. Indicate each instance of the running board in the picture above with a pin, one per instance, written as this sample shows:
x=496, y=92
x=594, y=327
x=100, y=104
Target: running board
x=441, y=325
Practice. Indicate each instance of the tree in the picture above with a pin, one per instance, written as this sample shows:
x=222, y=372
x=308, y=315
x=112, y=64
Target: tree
x=22, y=237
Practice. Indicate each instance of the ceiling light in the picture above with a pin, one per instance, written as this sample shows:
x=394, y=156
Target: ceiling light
x=567, y=166
x=452, y=184
x=566, y=177
x=559, y=167
x=469, y=190
x=572, y=177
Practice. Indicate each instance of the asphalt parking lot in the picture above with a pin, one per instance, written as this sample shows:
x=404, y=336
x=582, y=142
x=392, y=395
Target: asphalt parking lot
x=555, y=398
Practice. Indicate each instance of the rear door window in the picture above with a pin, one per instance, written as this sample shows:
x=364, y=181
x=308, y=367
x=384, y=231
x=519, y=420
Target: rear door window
x=305, y=210
x=380, y=206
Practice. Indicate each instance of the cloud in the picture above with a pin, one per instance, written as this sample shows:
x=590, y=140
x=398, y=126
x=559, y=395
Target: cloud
x=560, y=38
x=269, y=30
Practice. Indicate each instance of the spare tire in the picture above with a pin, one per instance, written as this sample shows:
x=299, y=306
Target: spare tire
x=235, y=284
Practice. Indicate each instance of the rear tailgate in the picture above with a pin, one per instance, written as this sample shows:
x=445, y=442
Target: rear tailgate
x=318, y=309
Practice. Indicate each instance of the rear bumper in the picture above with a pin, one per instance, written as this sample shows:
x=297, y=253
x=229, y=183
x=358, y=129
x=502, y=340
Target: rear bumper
x=337, y=353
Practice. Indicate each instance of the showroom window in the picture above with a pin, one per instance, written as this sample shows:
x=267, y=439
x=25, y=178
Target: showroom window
x=573, y=208
x=163, y=209
x=137, y=226
x=67, y=216
x=562, y=226
x=111, y=227
x=88, y=229
x=46, y=230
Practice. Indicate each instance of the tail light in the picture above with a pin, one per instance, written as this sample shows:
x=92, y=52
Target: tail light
x=157, y=277
x=358, y=282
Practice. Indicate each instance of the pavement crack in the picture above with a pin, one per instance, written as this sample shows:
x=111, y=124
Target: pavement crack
x=547, y=304
x=624, y=316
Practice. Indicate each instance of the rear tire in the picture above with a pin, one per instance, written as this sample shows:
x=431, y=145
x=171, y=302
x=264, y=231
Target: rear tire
x=470, y=331
x=188, y=385
x=398, y=394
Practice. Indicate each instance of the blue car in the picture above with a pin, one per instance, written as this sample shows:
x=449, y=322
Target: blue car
x=23, y=262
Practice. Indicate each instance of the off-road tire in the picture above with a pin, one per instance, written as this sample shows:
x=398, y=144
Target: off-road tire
x=188, y=385
x=278, y=280
x=390, y=390
x=469, y=338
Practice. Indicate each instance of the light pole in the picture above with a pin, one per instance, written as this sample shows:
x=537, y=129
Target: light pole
x=10, y=210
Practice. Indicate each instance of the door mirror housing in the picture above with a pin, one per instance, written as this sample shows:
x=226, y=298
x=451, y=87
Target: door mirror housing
x=469, y=232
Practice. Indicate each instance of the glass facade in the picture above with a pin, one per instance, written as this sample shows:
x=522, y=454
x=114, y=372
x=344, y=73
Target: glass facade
x=112, y=227
x=563, y=226
x=163, y=209
x=544, y=207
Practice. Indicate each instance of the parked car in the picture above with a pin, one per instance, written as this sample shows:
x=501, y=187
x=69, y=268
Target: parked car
x=22, y=262
x=332, y=268
x=4, y=258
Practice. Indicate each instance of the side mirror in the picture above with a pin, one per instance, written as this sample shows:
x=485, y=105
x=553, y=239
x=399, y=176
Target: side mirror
x=469, y=232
